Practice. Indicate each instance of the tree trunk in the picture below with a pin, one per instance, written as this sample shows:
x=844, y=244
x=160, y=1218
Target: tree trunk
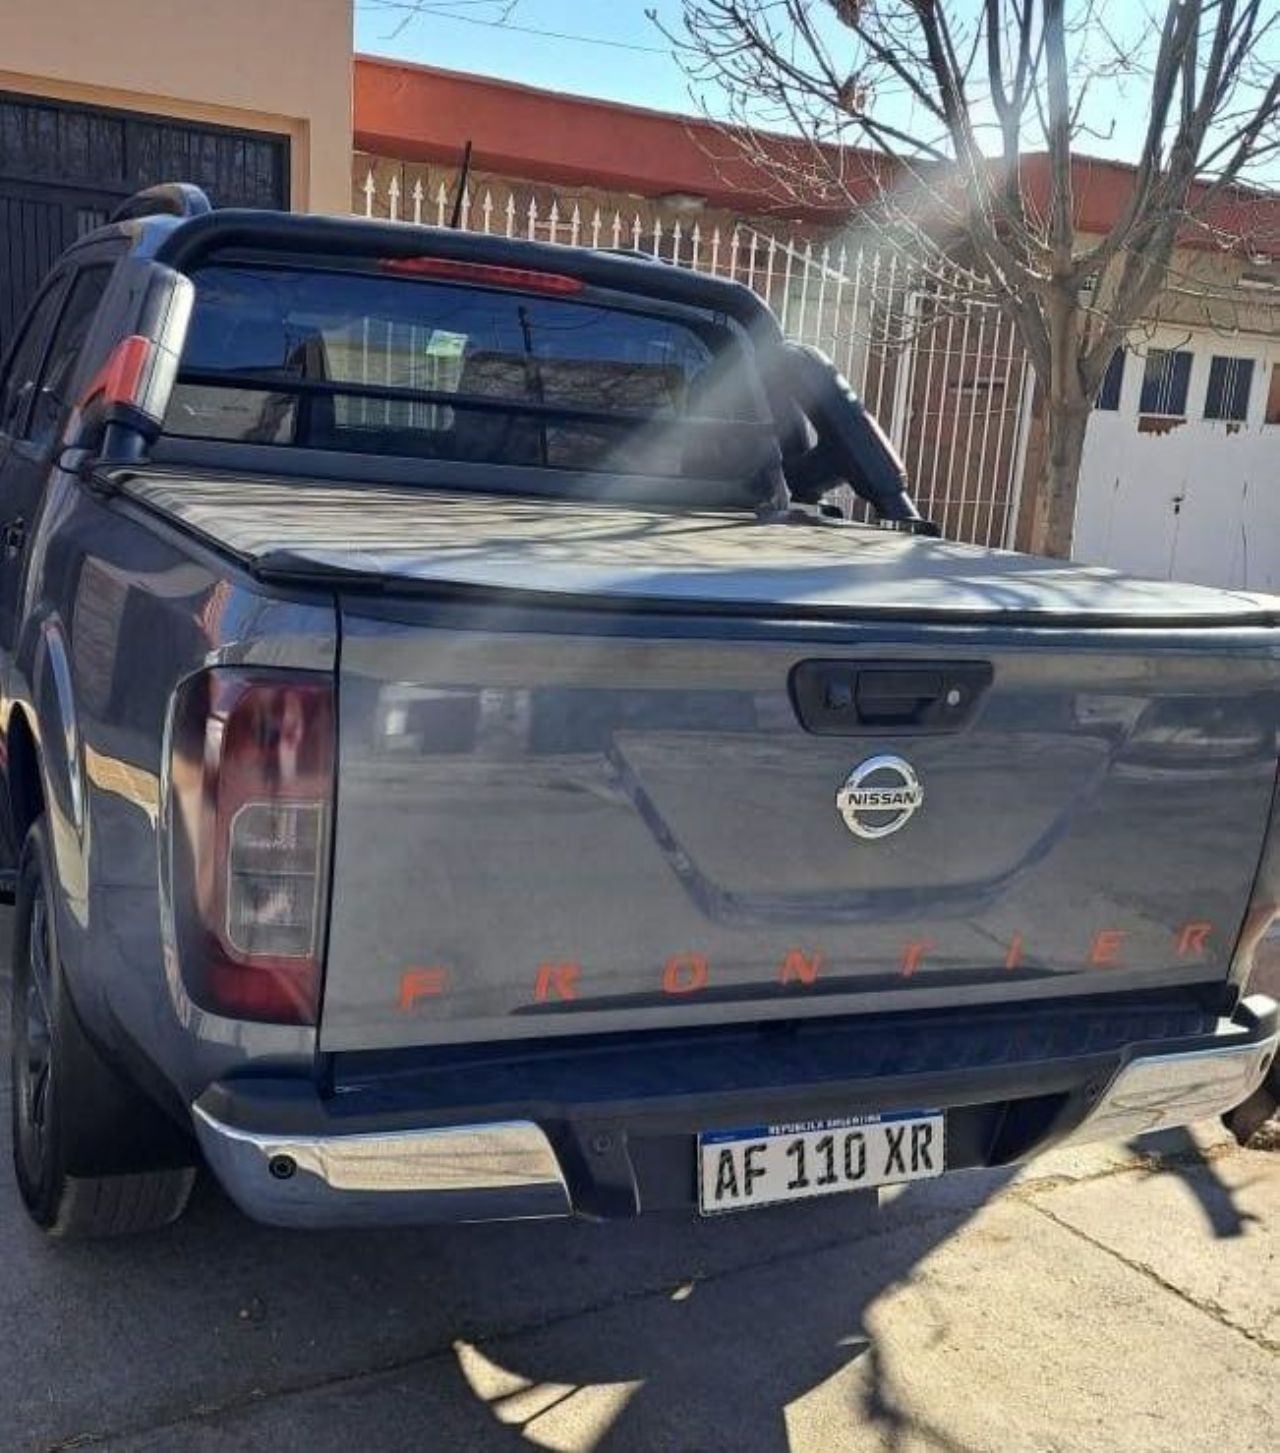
x=1060, y=476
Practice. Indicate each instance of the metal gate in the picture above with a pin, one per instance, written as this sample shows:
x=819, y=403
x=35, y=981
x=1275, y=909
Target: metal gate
x=64, y=168
x=933, y=359
x=931, y=356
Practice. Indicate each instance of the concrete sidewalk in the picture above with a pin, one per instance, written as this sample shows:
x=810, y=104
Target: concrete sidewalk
x=1113, y=1298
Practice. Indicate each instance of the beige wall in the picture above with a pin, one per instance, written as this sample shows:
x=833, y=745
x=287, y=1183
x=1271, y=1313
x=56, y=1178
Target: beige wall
x=1204, y=289
x=271, y=65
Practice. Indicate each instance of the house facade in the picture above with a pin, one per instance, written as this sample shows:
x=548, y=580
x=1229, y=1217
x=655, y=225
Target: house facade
x=539, y=157
x=1181, y=470
x=1181, y=473
x=1192, y=493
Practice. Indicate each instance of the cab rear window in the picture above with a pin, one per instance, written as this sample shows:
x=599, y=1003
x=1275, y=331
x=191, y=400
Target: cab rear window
x=446, y=371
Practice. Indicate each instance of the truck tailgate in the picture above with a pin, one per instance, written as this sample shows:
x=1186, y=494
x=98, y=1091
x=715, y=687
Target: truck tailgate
x=575, y=825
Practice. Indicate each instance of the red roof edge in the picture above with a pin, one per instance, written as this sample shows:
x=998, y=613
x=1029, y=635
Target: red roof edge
x=423, y=113
x=1241, y=219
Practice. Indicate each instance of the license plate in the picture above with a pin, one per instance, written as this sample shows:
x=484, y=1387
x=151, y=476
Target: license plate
x=764, y=1164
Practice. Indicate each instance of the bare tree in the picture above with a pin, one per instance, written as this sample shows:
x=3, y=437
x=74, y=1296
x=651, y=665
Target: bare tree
x=977, y=108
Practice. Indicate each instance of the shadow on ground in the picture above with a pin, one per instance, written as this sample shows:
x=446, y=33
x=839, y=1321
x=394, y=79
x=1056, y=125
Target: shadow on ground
x=125, y=1337
x=1175, y=1152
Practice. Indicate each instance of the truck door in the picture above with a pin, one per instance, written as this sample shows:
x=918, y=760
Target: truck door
x=35, y=399
x=17, y=387
x=36, y=434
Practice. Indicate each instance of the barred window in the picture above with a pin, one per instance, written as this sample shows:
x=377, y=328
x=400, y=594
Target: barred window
x=1230, y=380
x=1112, y=382
x=1164, y=383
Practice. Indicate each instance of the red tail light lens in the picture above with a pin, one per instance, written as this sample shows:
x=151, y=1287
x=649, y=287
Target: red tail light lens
x=524, y=279
x=250, y=803
x=139, y=374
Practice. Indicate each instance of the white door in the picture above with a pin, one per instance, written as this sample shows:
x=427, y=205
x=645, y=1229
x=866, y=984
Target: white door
x=1181, y=472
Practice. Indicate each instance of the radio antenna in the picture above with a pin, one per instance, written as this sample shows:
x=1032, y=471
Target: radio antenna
x=456, y=215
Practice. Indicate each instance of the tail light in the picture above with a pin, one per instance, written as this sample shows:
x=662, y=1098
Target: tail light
x=139, y=374
x=250, y=802
x=523, y=279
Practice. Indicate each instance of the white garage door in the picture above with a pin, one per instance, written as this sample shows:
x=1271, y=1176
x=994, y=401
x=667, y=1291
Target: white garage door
x=1181, y=474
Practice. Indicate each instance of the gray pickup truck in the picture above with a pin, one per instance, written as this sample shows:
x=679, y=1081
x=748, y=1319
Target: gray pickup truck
x=462, y=762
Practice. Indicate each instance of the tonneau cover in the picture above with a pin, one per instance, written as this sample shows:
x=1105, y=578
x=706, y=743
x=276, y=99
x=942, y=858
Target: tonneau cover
x=677, y=559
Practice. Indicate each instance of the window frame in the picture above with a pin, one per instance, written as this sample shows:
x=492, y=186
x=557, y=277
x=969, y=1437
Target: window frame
x=564, y=481
x=57, y=286
x=75, y=276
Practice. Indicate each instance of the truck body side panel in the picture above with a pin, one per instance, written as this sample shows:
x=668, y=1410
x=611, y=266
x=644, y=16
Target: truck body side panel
x=118, y=610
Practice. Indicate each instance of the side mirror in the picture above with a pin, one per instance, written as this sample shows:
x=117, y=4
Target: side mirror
x=836, y=440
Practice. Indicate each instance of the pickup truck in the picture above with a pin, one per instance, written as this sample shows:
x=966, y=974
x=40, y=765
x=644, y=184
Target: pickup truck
x=463, y=760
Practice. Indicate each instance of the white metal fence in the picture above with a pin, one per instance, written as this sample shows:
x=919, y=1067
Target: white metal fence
x=937, y=363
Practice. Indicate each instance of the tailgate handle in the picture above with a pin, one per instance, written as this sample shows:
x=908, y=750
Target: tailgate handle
x=847, y=698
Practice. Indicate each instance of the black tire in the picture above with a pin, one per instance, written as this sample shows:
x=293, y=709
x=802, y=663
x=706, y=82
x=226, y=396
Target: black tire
x=93, y=1157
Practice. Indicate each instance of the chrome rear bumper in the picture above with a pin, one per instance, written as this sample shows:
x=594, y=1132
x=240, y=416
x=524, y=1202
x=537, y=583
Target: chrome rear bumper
x=498, y=1172
x=507, y=1169
x=1163, y=1091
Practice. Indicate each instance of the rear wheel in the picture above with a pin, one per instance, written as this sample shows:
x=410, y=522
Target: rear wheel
x=93, y=1157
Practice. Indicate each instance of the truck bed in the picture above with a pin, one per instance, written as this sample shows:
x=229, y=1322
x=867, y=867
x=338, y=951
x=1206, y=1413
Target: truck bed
x=647, y=558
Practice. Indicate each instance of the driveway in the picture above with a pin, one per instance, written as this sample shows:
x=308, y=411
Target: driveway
x=1122, y=1297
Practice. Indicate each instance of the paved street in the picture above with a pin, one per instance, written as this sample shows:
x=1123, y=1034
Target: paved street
x=1107, y=1299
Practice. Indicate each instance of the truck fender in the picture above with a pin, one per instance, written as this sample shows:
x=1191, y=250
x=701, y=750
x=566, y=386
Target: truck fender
x=54, y=724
